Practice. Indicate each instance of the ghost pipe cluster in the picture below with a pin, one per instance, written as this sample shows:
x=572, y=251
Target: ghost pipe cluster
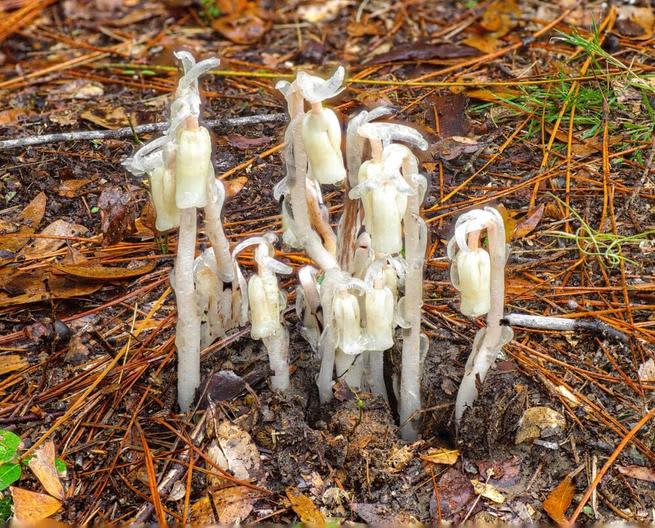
x=479, y=275
x=371, y=271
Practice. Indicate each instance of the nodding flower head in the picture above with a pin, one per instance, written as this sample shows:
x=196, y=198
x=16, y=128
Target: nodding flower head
x=470, y=270
x=264, y=296
x=316, y=90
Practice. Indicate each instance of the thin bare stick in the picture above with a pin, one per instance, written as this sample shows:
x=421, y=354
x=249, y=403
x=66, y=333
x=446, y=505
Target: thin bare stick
x=118, y=133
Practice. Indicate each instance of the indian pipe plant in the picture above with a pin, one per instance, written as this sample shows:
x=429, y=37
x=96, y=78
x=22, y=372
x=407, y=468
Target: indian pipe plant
x=366, y=290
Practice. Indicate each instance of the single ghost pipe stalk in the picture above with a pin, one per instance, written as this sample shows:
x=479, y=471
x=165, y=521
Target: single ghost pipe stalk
x=415, y=232
x=489, y=340
x=266, y=302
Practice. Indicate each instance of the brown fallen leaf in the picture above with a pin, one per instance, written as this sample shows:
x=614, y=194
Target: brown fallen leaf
x=244, y=27
x=634, y=22
x=646, y=474
x=31, y=507
x=497, y=20
x=234, y=504
x=105, y=272
x=247, y=143
x=488, y=491
x=441, y=455
x=559, y=500
x=29, y=218
x=202, y=513
x=539, y=422
x=448, y=116
x=528, y=223
x=72, y=188
x=422, y=51
x=234, y=451
x=12, y=363
x=304, y=508
x=234, y=186
x=454, y=146
x=43, y=466
x=58, y=287
x=52, y=238
x=117, y=214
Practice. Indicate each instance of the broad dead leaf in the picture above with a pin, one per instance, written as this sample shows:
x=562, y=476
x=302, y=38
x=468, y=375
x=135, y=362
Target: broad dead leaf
x=234, y=186
x=29, y=219
x=31, y=507
x=105, y=272
x=43, y=466
x=58, y=287
x=304, y=508
x=246, y=26
x=441, y=455
x=52, y=238
x=646, y=474
x=508, y=221
x=11, y=363
x=202, y=513
x=539, y=422
x=234, y=451
x=117, y=214
x=634, y=22
x=488, y=491
x=72, y=188
x=559, y=500
x=234, y=504
x=528, y=223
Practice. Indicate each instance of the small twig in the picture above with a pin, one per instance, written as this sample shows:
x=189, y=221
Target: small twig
x=562, y=324
x=124, y=132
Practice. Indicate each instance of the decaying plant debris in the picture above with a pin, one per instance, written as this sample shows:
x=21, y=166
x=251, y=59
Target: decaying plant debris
x=526, y=108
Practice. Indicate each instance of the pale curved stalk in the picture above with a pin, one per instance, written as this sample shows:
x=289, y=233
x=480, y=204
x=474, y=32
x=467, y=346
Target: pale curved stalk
x=306, y=235
x=483, y=357
x=375, y=373
x=214, y=227
x=187, y=331
x=349, y=368
x=318, y=218
x=326, y=347
x=415, y=245
x=277, y=347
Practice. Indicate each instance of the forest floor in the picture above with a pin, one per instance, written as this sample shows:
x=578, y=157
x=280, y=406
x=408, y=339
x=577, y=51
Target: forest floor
x=545, y=109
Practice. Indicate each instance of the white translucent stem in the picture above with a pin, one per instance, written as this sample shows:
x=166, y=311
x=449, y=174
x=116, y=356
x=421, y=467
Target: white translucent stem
x=306, y=235
x=349, y=368
x=375, y=373
x=483, y=357
x=410, y=375
x=326, y=348
x=187, y=332
x=214, y=227
x=277, y=347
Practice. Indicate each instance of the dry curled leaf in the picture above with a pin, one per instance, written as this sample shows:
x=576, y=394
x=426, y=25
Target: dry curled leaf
x=43, y=466
x=559, y=500
x=105, y=272
x=243, y=27
x=234, y=451
x=72, y=188
x=31, y=507
x=117, y=214
x=234, y=186
x=646, y=474
x=53, y=236
x=528, y=223
x=42, y=287
x=441, y=455
x=488, y=491
x=304, y=508
x=634, y=22
x=234, y=504
x=28, y=221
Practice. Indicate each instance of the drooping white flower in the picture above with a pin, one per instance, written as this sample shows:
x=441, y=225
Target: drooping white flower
x=470, y=270
x=345, y=308
x=320, y=128
x=379, y=318
x=192, y=167
x=474, y=272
